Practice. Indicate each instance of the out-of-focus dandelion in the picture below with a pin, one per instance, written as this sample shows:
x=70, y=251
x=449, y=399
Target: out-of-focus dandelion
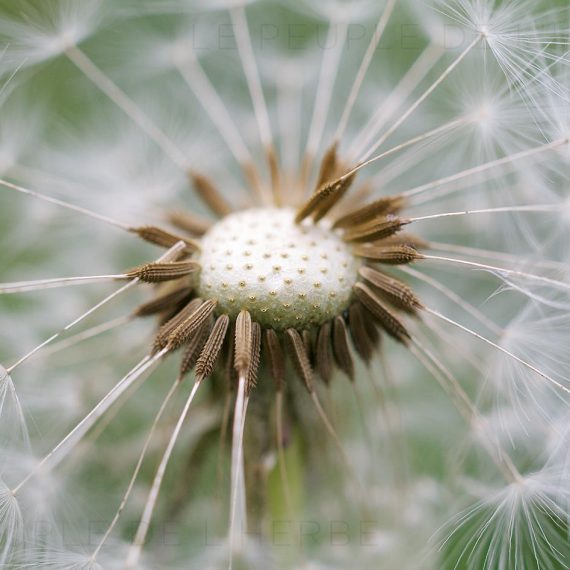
x=336, y=232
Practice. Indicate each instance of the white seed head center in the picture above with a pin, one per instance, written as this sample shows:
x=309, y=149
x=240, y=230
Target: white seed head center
x=285, y=274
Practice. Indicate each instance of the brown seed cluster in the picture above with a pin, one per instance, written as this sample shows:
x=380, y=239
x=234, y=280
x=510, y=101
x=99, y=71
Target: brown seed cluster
x=197, y=322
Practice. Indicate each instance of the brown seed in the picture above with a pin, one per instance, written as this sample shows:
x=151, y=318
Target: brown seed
x=243, y=336
x=388, y=254
x=164, y=238
x=323, y=353
x=161, y=338
x=380, y=207
x=387, y=319
x=308, y=342
x=184, y=331
x=341, y=347
x=328, y=166
x=194, y=348
x=329, y=203
x=405, y=238
x=324, y=198
x=376, y=230
x=394, y=290
x=163, y=303
x=299, y=357
x=275, y=359
x=275, y=175
x=255, y=357
x=159, y=272
x=210, y=195
x=359, y=332
x=189, y=222
x=230, y=371
x=211, y=350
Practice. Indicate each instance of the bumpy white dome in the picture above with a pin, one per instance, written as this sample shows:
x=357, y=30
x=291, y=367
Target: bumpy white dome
x=286, y=275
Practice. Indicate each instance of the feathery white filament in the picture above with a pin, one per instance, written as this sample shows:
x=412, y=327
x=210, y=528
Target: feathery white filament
x=168, y=255
x=498, y=347
x=412, y=78
x=79, y=431
x=65, y=205
x=138, y=543
x=238, y=521
x=41, y=284
x=365, y=64
x=124, y=102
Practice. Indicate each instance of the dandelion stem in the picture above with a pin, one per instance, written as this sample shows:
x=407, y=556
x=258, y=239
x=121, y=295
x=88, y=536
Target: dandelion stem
x=126, y=104
x=78, y=432
x=496, y=346
x=485, y=167
x=65, y=205
x=365, y=64
x=134, y=476
x=140, y=536
x=423, y=97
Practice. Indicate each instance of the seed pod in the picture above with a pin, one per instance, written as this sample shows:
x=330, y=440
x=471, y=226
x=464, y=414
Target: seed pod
x=388, y=320
x=165, y=302
x=243, y=336
x=161, y=338
x=388, y=254
x=208, y=192
x=375, y=230
x=159, y=272
x=194, y=348
x=190, y=325
x=299, y=357
x=189, y=222
x=359, y=332
x=211, y=350
x=275, y=359
x=380, y=207
x=394, y=290
x=164, y=238
x=323, y=353
x=324, y=198
x=329, y=164
x=341, y=347
x=255, y=357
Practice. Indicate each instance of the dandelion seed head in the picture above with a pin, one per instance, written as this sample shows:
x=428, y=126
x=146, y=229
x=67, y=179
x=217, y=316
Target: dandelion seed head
x=285, y=275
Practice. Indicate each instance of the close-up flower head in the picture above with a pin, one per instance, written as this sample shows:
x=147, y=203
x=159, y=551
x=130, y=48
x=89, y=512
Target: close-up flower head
x=285, y=284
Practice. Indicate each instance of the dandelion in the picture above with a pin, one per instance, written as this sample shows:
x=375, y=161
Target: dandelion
x=405, y=230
